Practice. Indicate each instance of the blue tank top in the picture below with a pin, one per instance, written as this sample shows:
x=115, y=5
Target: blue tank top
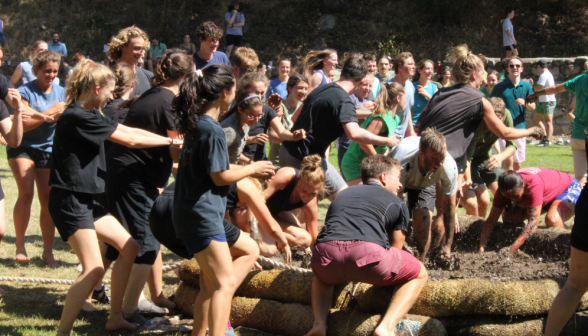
x=1, y=27
x=27, y=73
x=420, y=101
x=325, y=79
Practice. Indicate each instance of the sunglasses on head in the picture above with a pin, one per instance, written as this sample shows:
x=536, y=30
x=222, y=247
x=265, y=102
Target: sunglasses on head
x=512, y=66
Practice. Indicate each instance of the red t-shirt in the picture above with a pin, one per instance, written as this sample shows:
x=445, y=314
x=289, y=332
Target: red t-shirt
x=542, y=186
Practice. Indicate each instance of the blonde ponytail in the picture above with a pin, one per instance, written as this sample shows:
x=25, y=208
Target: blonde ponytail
x=311, y=170
x=85, y=77
x=386, y=100
x=465, y=64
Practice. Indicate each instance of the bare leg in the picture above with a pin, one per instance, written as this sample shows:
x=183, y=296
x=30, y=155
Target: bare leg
x=47, y=225
x=549, y=126
x=559, y=212
x=516, y=166
x=508, y=163
x=245, y=253
x=229, y=50
x=322, y=295
x=155, y=281
x=295, y=234
x=2, y=229
x=538, y=121
x=483, y=200
x=568, y=298
x=136, y=283
x=110, y=231
x=24, y=174
x=213, y=304
x=405, y=296
x=470, y=203
x=421, y=219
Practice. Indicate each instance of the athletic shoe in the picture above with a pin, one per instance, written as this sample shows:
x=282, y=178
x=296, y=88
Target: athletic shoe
x=148, y=307
x=532, y=142
x=560, y=142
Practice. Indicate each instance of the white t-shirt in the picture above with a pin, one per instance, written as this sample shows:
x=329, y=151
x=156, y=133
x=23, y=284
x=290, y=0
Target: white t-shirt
x=546, y=79
x=407, y=152
x=506, y=40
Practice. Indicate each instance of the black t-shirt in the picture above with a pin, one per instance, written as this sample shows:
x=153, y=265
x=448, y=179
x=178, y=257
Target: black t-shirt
x=4, y=86
x=256, y=152
x=78, y=150
x=112, y=107
x=322, y=115
x=151, y=113
x=3, y=111
x=199, y=204
x=456, y=112
x=142, y=81
x=365, y=212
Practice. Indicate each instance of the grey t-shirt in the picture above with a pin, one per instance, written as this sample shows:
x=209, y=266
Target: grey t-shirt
x=407, y=152
x=236, y=136
x=506, y=40
x=238, y=19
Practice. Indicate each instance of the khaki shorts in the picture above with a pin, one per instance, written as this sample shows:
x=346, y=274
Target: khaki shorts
x=579, y=155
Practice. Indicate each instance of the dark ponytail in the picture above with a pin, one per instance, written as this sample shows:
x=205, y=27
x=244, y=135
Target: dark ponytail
x=172, y=66
x=509, y=181
x=197, y=93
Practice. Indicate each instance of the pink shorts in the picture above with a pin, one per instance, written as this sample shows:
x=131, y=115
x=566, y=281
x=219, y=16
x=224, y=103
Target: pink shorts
x=337, y=262
x=519, y=156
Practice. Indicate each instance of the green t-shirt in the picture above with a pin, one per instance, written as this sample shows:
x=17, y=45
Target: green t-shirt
x=484, y=139
x=288, y=112
x=510, y=93
x=485, y=92
x=157, y=51
x=354, y=155
x=579, y=86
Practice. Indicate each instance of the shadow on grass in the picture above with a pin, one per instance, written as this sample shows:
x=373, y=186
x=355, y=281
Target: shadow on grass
x=36, y=261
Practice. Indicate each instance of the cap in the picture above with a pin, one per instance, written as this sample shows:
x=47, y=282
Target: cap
x=541, y=63
x=235, y=2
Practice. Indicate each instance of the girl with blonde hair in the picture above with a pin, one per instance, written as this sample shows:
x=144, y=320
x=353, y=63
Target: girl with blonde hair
x=383, y=122
x=76, y=176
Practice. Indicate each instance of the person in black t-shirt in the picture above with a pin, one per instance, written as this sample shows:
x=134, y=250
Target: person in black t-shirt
x=133, y=176
x=361, y=242
x=77, y=173
x=258, y=133
x=326, y=114
x=456, y=113
x=129, y=46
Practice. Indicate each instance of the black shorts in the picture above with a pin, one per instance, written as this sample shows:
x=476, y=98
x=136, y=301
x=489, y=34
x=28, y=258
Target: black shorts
x=234, y=40
x=481, y=174
x=422, y=198
x=162, y=227
x=462, y=163
x=510, y=47
x=72, y=210
x=579, y=237
x=130, y=200
x=40, y=158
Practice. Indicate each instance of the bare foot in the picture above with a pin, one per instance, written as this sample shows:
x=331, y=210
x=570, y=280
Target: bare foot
x=317, y=331
x=88, y=307
x=116, y=322
x=163, y=302
x=21, y=256
x=383, y=331
x=49, y=258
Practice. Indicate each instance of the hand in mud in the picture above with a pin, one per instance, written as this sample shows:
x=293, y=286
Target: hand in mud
x=257, y=266
x=536, y=133
x=287, y=251
x=529, y=229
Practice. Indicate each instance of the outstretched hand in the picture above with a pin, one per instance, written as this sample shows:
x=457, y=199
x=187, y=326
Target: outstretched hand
x=263, y=169
x=299, y=134
x=536, y=133
x=531, y=98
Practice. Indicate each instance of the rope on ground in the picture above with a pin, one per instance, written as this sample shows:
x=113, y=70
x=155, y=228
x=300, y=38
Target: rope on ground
x=280, y=265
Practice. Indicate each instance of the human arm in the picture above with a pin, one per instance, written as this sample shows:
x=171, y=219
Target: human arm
x=38, y=118
x=554, y=89
x=361, y=136
x=311, y=215
x=397, y=239
x=239, y=24
x=377, y=126
x=423, y=92
x=532, y=223
x=314, y=82
x=362, y=114
x=275, y=102
x=174, y=152
x=244, y=159
x=259, y=139
x=449, y=218
x=284, y=134
x=12, y=130
x=571, y=113
x=139, y=138
x=16, y=75
x=488, y=227
x=497, y=126
x=410, y=127
x=237, y=173
x=509, y=33
x=231, y=17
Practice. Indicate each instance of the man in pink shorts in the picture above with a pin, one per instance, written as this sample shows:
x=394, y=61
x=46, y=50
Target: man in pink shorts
x=354, y=245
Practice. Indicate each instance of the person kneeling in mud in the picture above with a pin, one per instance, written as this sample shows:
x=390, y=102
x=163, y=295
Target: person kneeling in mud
x=526, y=194
x=245, y=194
x=354, y=245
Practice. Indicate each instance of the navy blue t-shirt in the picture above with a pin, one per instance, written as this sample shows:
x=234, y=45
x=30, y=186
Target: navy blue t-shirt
x=217, y=57
x=199, y=204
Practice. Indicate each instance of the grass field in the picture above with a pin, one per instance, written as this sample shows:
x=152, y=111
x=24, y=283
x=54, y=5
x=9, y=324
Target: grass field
x=35, y=309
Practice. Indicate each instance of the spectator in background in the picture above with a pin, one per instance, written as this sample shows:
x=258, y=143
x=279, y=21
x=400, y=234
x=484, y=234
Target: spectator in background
x=129, y=46
x=279, y=85
x=446, y=80
x=384, y=74
x=154, y=52
x=262, y=68
x=188, y=46
x=372, y=65
x=208, y=35
x=76, y=58
x=2, y=39
x=508, y=40
x=24, y=70
x=424, y=88
x=404, y=68
x=543, y=116
x=514, y=91
x=235, y=22
x=317, y=66
x=491, y=81
x=61, y=49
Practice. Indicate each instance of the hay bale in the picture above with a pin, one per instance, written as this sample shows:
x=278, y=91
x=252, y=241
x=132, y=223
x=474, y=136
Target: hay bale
x=296, y=319
x=466, y=297
x=278, y=285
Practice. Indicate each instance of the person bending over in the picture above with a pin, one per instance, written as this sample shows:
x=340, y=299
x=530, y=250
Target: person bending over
x=358, y=243
x=485, y=166
x=530, y=192
x=425, y=162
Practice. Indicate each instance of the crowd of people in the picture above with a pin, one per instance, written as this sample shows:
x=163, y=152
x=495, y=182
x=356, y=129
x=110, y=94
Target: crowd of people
x=102, y=151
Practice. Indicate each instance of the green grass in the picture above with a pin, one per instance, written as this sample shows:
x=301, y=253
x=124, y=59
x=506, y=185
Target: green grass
x=35, y=309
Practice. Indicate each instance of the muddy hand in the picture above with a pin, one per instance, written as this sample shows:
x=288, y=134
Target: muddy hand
x=537, y=133
x=519, y=242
